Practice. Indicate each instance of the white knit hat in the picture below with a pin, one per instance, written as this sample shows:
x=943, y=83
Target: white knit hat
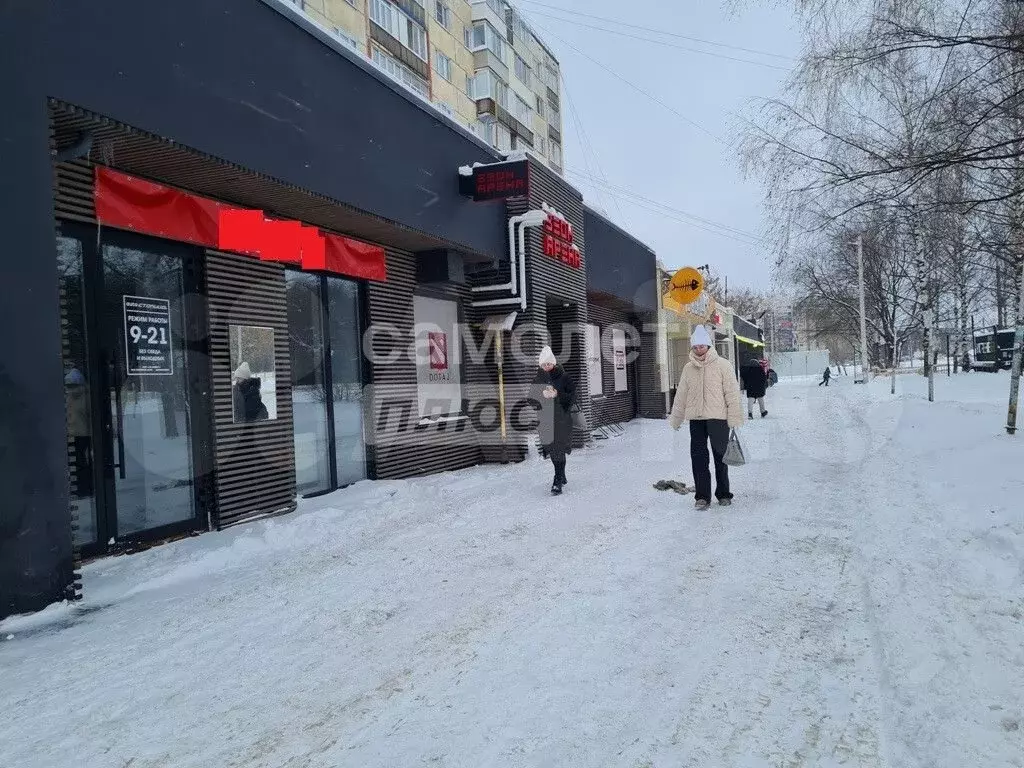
x=547, y=357
x=701, y=336
x=243, y=372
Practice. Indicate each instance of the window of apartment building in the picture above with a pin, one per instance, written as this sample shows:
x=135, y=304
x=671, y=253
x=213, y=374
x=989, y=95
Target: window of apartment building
x=443, y=14
x=417, y=39
x=551, y=77
x=522, y=70
x=485, y=130
x=503, y=138
x=554, y=116
x=446, y=108
x=386, y=16
x=442, y=65
x=486, y=36
x=521, y=111
x=400, y=72
x=556, y=153
x=540, y=107
x=389, y=18
x=487, y=85
x=347, y=39
x=540, y=146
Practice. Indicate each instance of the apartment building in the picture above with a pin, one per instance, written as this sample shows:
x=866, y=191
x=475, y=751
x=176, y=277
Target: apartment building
x=517, y=83
x=478, y=62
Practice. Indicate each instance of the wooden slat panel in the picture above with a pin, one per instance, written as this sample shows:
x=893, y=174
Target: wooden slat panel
x=399, y=450
x=137, y=152
x=73, y=591
x=255, y=463
x=548, y=279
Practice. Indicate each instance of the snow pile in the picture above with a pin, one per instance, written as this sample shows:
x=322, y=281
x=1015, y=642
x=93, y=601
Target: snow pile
x=861, y=605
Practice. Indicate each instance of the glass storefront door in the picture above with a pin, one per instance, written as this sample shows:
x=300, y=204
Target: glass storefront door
x=347, y=379
x=324, y=334
x=147, y=385
x=130, y=381
x=309, y=388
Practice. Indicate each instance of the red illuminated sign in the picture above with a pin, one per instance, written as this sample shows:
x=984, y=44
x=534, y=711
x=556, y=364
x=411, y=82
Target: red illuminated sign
x=497, y=182
x=558, y=241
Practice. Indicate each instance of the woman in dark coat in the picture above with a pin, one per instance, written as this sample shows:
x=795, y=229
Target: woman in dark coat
x=755, y=381
x=553, y=394
x=247, y=400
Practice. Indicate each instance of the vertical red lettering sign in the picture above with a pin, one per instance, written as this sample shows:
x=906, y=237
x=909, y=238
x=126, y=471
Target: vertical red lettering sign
x=558, y=241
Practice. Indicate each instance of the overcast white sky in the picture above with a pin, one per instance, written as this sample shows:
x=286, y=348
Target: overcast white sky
x=644, y=148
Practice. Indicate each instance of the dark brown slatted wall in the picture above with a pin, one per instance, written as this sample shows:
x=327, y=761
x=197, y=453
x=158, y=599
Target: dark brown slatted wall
x=73, y=192
x=652, y=399
x=255, y=462
x=401, y=448
x=613, y=407
x=74, y=590
x=547, y=278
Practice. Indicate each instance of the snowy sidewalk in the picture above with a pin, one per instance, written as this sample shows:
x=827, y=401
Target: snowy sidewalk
x=860, y=605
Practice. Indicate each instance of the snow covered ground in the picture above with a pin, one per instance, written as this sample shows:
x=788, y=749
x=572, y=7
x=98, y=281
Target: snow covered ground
x=861, y=605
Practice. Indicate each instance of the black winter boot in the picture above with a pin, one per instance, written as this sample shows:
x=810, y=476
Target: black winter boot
x=559, y=481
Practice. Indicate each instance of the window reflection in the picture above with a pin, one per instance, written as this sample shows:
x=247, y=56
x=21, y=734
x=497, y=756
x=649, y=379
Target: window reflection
x=309, y=395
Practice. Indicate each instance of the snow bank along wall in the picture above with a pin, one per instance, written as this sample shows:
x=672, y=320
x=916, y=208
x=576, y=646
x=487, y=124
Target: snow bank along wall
x=121, y=427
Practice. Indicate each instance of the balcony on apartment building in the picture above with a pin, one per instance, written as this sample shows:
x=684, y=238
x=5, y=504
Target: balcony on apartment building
x=494, y=99
x=400, y=29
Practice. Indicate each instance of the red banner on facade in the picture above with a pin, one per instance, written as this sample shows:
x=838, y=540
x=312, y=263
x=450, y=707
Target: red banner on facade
x=127, y=202
x=351, y=257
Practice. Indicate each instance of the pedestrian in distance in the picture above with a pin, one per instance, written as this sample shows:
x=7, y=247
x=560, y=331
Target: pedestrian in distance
x=553, y=394
x=708, y=396
x=826, y=376
x=754, y=376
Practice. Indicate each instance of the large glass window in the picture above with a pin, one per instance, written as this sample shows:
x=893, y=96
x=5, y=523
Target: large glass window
x=347, y=379
x=153, y=480
x=309, y=391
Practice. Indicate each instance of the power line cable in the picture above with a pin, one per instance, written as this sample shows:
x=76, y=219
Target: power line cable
x=672, y=215
x=663, y=42
x=641, y=91
x=677, y=35
x=700, y=219
x=585, y=143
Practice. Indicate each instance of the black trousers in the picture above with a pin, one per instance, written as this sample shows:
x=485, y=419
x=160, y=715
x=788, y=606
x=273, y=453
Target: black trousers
x=715, y=431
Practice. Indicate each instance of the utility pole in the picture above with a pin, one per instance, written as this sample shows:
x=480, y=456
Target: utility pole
x=865, y=368
x=1018, y=352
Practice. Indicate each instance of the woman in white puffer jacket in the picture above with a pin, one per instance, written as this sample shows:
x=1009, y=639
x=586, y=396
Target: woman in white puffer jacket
x=708, y=396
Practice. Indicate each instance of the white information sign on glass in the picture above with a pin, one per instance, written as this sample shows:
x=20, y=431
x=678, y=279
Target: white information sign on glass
x=147, y=336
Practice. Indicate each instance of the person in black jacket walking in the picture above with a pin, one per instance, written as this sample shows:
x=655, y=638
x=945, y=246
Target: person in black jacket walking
x=825, y=377
x=754, y=377
x=553, y=394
